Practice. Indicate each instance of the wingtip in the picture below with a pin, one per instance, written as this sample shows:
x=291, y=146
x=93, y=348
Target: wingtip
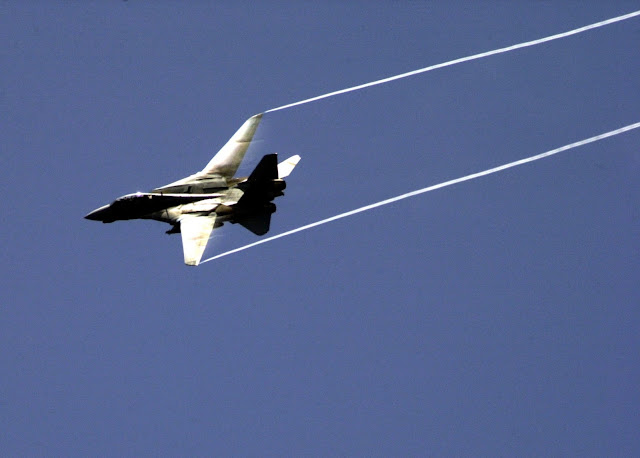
x=191, y=261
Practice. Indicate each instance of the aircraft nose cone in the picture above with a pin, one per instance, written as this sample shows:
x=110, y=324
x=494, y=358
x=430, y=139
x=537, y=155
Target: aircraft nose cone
x=98, y=214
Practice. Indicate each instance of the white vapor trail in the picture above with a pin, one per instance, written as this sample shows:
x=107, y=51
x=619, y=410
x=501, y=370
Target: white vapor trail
x=434, y=187
x=466, y=59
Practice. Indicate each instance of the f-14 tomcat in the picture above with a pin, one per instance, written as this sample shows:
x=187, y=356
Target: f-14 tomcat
x=202, y=202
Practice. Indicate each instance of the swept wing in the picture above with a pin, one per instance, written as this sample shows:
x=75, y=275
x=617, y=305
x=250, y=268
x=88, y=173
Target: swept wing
x=224, y=164
x=228, y=159
x=195, y=230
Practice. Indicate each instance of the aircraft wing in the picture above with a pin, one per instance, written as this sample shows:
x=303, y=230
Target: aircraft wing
x=228, y=159
x=195, y=230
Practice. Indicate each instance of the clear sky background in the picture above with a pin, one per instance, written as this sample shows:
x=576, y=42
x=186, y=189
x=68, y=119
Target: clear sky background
x=496, y=317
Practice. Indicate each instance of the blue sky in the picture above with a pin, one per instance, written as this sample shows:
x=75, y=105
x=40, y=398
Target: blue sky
x=494, y=317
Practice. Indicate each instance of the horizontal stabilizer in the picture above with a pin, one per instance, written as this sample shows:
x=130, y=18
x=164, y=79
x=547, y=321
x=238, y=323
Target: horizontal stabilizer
x=258, y=223
x=286, y=167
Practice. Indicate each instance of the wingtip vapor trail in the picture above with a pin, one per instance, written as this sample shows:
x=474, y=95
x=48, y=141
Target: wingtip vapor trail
x=464, y=178
x=434, y=187
x=460, y=60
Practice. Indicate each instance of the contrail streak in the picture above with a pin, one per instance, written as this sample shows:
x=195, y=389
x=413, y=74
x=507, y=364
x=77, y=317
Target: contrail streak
x=465, y=59
x=434, y=187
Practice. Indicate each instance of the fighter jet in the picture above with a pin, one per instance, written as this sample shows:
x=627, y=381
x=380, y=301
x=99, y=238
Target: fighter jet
x=204, y=201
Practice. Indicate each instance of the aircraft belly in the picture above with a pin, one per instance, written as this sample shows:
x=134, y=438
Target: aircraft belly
x=167, y=215
x=173, y=214
x=202, y=206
